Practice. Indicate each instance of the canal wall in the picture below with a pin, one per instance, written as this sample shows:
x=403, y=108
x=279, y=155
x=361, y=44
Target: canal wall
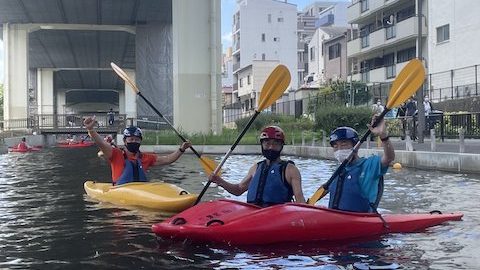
x=443, y=161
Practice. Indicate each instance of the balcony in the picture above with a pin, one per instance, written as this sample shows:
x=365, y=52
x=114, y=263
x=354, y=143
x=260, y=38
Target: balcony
x=403, y=31
x=360, y=10
x=236, y=66
x=380, y=74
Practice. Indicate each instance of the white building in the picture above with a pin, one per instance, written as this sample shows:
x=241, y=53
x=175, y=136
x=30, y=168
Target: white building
x=454, y=36
x=388, y=38
x=263, y=30
x=319, y=13
x=317, y=54
x=334, y=15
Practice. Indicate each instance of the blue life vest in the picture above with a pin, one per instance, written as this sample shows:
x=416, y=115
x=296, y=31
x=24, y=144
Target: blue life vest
x=132, y=171
x=346, y=192
x=268, y=186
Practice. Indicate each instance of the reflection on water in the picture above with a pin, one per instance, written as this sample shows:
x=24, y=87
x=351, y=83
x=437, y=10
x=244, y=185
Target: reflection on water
x=48, y=222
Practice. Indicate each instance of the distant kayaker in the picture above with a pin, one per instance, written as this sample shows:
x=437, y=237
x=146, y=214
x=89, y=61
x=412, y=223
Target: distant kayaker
x=129, y=164
x=271, y=181
x=360, y=186
x=23, y=145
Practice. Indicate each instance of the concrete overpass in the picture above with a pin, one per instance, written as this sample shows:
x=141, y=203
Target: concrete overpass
x=57, y=56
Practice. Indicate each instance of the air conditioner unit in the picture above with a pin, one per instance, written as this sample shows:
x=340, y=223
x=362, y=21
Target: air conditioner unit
x=253, y=94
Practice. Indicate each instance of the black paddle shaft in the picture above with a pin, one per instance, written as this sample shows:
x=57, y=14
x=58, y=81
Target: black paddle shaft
x=174, y=129
x=226, y=156
x=340, y=168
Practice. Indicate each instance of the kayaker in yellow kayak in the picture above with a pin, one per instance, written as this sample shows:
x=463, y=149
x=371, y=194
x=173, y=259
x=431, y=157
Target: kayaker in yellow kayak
x=359, y=187
x=271, y=181
x=129, y=164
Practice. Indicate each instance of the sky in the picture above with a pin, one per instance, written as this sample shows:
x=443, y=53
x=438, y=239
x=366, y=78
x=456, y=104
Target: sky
x=228, y=8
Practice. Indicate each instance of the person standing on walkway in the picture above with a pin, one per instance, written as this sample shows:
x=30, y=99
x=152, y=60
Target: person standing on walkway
x=271, y=181
x=410, y=111
x=401, y=112
x=377, y=108
x=111, y=117
x=359, y=187
x=428, y=110
x=129, y=164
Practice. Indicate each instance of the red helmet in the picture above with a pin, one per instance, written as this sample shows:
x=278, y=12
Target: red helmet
x=272, y=132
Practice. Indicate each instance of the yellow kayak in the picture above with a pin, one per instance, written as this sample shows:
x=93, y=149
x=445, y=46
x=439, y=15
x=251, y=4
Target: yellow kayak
x=156, y=195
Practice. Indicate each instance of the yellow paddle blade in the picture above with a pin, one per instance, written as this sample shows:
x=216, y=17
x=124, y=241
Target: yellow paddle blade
x=320, y=193
x=274, y=87
x=407, y=83
x=122, y=74
x=209, y=165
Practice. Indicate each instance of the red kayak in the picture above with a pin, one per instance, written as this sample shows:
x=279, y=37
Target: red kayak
x=236, y=223
x=23, y=150
x=75, y=145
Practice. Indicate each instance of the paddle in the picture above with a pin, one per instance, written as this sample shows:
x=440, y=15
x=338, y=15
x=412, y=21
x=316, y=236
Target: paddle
x=274, y=87
x=207, y=163
x=405, y=85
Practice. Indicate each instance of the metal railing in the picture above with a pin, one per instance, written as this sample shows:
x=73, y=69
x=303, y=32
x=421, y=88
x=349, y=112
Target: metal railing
x=453, y=84
x=62, y=122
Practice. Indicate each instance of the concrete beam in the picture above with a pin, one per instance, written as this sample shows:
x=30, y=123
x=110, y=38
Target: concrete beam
x=82, y=27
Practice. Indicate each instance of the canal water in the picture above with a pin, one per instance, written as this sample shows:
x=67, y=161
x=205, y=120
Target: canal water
x=47, y=221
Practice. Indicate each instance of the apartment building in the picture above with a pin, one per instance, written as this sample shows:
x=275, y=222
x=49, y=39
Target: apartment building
x=387, y=39
x=264, y=35
x=313, y=16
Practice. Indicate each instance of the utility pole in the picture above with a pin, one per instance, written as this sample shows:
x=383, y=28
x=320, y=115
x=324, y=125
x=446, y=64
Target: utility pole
x=420, y=107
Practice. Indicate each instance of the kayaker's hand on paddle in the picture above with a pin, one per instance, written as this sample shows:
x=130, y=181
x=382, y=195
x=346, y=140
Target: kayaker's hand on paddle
x=89, y=123
x=185, y=146
x=380, y=129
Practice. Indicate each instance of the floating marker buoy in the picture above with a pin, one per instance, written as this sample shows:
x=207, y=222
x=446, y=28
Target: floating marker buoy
x=397, y=166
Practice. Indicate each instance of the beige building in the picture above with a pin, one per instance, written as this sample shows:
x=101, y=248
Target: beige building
x=388, y=38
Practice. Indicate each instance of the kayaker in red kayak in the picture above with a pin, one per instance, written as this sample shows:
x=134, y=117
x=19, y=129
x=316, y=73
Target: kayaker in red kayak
x=271, y=181
x=129, y=164
x=23, y=145
x=360, y=186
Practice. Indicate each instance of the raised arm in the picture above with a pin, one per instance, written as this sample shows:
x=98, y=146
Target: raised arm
x=106, y=148
x=388, y=150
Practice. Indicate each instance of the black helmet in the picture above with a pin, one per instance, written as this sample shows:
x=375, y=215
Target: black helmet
x=132, y=131
x=343, y=133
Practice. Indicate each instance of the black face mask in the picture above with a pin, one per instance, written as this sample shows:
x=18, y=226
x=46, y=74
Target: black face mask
x=270, y=154
x=133, y=147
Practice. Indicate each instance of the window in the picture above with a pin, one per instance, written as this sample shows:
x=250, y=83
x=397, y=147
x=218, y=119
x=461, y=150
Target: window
x=405, y=55
x=390, y=32
x=390, y=72
x=263, y=57
x=248, y=80
x=241, y=82
x=389, y=62
x=276, y=39
x=365, y=41
x=443, y=33
x=269, y=19
x=263, y=37
x=312, y=54
x=363, y=5
x=334, y=51
x=280, y=19
x=405, y=13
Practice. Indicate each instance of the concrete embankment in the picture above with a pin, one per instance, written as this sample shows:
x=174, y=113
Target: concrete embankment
x=444, y=161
